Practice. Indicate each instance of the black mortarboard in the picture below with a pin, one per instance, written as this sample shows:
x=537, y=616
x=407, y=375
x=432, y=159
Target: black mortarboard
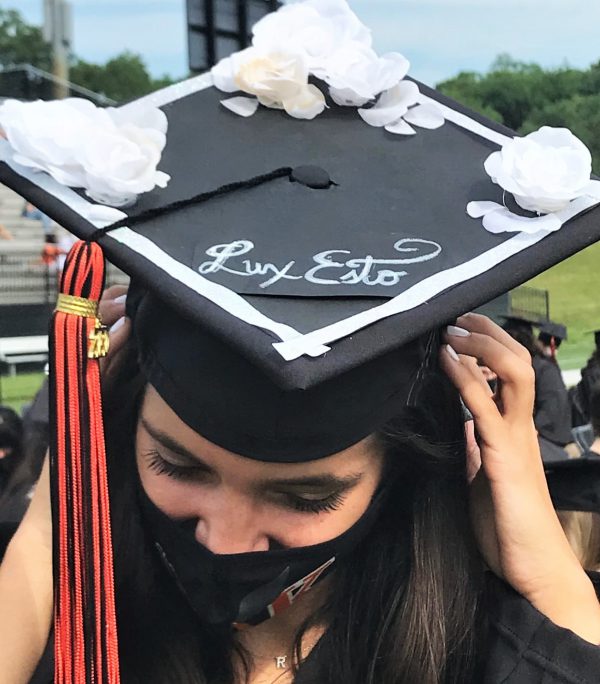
x=574, y=484
x=556, y=330
x=313, y=247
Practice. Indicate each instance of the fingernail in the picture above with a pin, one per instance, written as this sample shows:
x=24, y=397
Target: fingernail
x=457, y=332
x=121, y=300
x=117, y=326
x=451, y=353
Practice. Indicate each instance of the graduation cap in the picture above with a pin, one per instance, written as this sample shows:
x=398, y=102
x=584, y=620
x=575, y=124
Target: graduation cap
x=295, y=224
x=574, y=484
x=553, y=331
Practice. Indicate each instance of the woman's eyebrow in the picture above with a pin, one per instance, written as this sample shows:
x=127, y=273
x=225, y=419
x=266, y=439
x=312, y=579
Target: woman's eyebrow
x=171, y=444
x=325, y=481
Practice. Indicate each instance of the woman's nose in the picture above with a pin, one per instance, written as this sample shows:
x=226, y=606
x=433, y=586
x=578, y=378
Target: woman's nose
x=234, y=528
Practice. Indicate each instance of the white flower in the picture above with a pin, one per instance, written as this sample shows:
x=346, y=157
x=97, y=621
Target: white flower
x=278, y=80
x=113, y=154
x=545, y=170
x=357, y=75
x=314, y=29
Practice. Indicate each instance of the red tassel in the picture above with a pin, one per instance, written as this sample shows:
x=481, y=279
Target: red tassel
x=85, y=626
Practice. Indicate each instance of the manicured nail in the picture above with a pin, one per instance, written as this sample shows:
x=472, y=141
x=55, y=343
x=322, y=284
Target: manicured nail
x=457, y=332
x=451, y=353
x=121, y=300
x=117, y=325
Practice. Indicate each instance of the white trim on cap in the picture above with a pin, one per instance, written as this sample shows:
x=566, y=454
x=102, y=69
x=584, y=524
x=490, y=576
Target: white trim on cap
x=424, y=290
x=228, y=300
x=293, y=344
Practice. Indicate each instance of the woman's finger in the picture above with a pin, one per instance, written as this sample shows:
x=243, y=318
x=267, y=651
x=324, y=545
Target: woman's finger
x=476, y=397
x=517, y=380
x=118, y=335
x=482, y=324
x=112, y=304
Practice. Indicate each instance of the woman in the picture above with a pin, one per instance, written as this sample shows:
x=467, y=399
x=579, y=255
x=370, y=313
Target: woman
x=406, y=604
x=11, y=444
x=285, y=438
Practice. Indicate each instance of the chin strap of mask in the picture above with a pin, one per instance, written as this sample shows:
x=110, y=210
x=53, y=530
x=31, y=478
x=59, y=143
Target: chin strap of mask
x=85, y=626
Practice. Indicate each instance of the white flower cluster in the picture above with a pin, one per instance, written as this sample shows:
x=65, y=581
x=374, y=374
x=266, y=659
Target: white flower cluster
x=545, y=171
x=326, y=40
x=112, y=153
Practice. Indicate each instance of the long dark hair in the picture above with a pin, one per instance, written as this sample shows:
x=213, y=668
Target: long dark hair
x=404, y=608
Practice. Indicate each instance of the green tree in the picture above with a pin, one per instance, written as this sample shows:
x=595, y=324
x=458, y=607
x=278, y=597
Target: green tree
x=466, y=88
x=21, y=43
x=514, y=92
x=122, y=78
x=580, y=113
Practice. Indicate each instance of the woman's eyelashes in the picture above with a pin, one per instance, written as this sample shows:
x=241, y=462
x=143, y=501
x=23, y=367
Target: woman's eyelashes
x=312, y=503
x=178, y=472
x=331, y=502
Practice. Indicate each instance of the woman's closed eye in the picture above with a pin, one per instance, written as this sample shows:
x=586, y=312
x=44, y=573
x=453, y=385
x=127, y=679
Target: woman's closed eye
x=161, y=466
x=303, y=502
x=310, y=503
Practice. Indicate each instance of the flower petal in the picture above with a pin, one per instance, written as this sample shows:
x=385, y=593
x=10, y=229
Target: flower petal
x=307, y=104
x=242, y=106
x=504, y=221
x=425, y=116
x=400, y=128
x=223, y=76
x=392, y=104
x=478, y=210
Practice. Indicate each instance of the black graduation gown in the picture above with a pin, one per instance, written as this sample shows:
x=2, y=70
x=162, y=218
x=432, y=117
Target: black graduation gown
x=524, y=647
x=552, y=411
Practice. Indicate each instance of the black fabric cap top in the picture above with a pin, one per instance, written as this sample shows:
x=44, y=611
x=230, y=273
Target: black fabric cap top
x=557, y=330
x=311, y=255
x=575, y=484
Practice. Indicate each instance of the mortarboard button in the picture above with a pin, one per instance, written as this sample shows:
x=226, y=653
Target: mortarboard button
x=312, y=176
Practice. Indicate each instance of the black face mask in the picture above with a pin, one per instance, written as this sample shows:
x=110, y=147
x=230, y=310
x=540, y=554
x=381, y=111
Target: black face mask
x=246, y=588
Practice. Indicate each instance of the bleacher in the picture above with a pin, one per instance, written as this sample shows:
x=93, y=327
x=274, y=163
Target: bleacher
x=28, y=287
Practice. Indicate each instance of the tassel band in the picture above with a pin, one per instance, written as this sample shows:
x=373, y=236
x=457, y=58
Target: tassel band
x=87, y=308
x=79, y=306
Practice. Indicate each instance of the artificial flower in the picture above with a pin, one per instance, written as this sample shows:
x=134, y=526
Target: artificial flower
x=112, y=153
x=544, y=170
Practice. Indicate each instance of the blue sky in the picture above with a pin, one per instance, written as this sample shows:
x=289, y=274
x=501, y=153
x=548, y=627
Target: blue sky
x=440, y=37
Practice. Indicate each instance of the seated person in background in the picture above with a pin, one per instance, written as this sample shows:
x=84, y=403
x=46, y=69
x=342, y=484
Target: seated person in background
x=550, y=338
x=590, y=377
x=11, y=443
x=574, y=486
x=5, y=234
x=31, y=212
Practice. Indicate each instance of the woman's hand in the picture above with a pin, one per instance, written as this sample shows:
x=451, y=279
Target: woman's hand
x=518, y=531
x=112, y=314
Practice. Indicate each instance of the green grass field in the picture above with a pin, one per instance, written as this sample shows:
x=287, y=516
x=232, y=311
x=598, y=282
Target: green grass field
x=574, y=287
x=20, y=389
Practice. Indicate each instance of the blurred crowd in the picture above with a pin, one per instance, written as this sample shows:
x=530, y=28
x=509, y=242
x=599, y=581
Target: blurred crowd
x=57, y=241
